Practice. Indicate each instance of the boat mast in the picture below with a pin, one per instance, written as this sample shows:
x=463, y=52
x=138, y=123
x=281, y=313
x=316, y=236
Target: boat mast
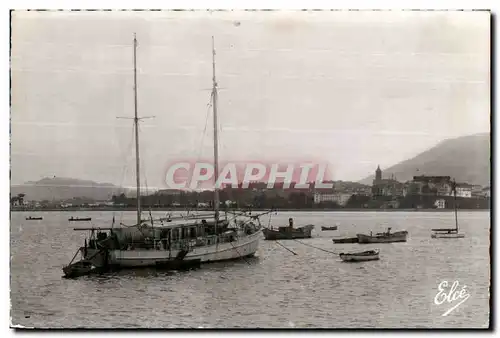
x=455, y=203
x=216, y=146
x=136, y=127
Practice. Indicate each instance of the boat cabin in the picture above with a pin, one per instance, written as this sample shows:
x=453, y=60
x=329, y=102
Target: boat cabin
x=167, y=237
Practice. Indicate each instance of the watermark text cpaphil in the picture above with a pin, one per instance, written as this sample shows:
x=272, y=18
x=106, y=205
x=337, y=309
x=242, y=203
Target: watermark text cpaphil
x=201, y=175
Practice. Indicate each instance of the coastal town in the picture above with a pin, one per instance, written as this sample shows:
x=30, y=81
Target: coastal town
x=422, y=192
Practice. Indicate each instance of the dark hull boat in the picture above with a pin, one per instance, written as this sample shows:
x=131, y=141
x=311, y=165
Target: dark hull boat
x=345, y=240
x=34, y=218
x=288, y=232
x=329, y=228
x=78, y=269
x=85, y=219
x=383, y=237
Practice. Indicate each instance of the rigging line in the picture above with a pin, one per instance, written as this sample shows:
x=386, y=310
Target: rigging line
x=143, y=166
x=240, y=254
x=125, y=157
x=294, y=253
x=209, y=105
x=312, y=246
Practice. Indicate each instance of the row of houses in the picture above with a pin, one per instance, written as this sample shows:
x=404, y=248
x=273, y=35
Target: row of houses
x=419, y=185
x=428, y=185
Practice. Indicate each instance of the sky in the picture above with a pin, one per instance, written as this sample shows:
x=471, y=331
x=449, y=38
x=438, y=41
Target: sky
x=353, y=89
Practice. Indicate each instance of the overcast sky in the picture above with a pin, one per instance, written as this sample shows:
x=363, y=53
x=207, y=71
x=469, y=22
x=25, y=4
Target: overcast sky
x=354, y=89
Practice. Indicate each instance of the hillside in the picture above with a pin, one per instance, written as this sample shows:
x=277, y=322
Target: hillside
x=60, y=188
x=466, y=158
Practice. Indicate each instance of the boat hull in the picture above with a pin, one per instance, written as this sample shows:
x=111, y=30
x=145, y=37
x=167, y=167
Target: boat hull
x=399, y=236
x=329, y=228
x=242, y=247
x=77, y=269
x=447, y=235
x=298, y=233
x=360, y=257
x=345, y=240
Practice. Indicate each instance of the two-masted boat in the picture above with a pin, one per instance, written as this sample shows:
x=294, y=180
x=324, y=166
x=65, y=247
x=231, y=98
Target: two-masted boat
x=288, y=232
x=383, y=237
x=370, y=255
x=208, y=237
x=450, y=232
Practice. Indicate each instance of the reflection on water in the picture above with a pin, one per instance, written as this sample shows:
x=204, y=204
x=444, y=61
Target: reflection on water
x=274, y=289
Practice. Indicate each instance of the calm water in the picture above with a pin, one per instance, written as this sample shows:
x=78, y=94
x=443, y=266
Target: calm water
x=312, y=289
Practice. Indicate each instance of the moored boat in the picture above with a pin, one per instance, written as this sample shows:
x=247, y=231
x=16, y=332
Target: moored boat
x=34, y=218
x=78, y=219
x=78, y=269
x=446, y=234
x=450, y=232
x=370, y=255
x=345, y=240
x=202, y=238
x=329, y=228
x=288, y=232
x=383, y=237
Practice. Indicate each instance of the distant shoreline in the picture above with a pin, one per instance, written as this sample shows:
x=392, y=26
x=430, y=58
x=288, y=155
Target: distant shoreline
x=253, y=210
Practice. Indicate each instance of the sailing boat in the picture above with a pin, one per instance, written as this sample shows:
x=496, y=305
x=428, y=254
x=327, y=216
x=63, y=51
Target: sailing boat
x=205, y=237
x=450, y=232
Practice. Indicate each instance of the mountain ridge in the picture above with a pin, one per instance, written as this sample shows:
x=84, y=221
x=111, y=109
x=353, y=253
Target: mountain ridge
x=65, y=188
x=466, y=159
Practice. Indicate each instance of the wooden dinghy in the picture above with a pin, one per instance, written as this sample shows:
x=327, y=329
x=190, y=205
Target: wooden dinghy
x=370, y=255
x=329, y=228
x=78, y=269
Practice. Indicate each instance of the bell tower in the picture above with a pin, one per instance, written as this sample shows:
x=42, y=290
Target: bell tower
x=378, y=174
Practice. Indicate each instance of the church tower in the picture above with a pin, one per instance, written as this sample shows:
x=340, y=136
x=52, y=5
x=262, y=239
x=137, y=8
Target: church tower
x=378, y=174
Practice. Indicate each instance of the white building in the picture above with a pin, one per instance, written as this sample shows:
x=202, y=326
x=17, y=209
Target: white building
x=339, y=198
x=464, y=190
x=440, y=203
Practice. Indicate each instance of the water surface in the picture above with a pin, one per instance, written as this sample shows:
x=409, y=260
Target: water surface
x=275, y=289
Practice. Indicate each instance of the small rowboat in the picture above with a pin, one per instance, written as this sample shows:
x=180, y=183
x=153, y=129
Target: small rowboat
x=370, y=255
x=77, y=269
x=34, y=218
x=329, y=228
